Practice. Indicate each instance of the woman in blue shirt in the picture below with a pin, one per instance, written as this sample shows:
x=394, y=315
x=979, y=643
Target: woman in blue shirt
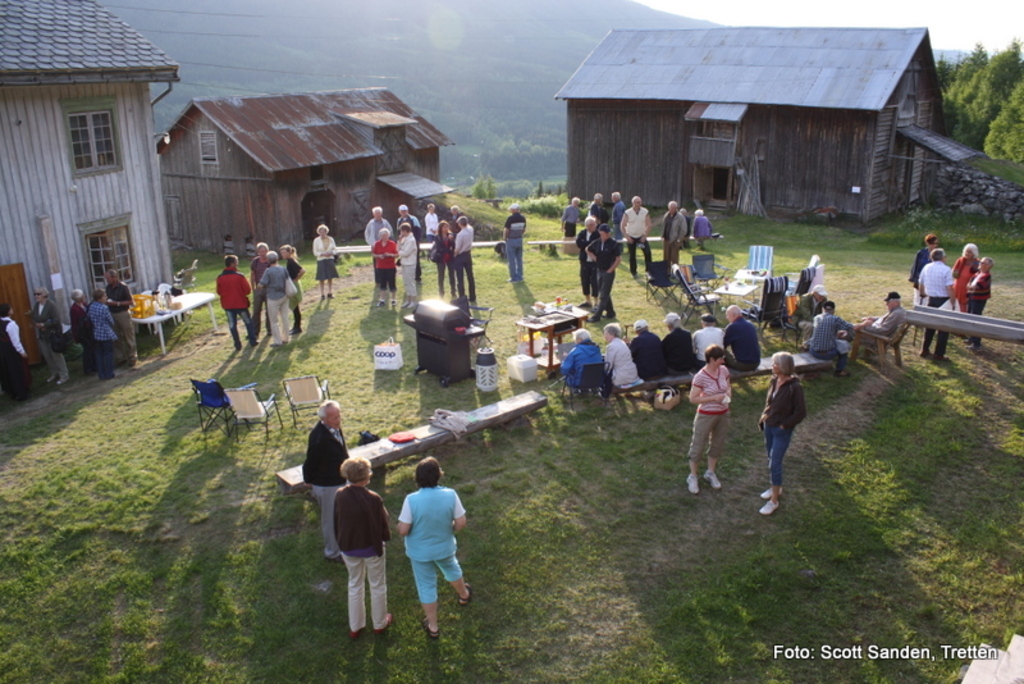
x=429, y=520
x=103, y=333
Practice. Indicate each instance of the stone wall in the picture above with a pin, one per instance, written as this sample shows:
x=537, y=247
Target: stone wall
x=965, y=189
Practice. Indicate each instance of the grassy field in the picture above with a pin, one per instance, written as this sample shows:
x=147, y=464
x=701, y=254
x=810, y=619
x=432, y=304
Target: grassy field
x=137, y=549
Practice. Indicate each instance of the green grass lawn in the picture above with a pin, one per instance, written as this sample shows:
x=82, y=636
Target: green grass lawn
x=137, y=549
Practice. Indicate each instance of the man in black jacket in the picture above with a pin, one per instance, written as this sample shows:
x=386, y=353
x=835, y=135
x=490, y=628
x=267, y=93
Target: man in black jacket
x=677, y=346
x=646, y=351
x=324, y=455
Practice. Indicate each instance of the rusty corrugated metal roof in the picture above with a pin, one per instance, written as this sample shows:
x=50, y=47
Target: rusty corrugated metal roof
x=299, y=130
x=806, y=67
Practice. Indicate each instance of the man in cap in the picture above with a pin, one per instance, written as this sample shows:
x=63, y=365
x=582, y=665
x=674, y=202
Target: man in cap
x=607, y=254
x=515, y=229
x=677, y=346
x=807, y=308
x=886, y=324
x=645, y=349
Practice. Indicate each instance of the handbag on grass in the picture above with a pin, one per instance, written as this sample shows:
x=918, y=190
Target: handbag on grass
x=387, y=355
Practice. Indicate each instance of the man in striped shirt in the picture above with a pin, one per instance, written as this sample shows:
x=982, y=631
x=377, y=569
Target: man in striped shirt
x=936, y=287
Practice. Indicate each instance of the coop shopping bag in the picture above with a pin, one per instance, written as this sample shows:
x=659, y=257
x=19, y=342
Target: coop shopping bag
x=388, y=355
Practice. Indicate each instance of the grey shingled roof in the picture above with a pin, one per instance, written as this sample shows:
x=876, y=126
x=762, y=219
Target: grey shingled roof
x=74, y=41
x=807, y=67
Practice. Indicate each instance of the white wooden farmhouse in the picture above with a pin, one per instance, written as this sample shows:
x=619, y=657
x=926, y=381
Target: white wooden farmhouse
x=79, y=177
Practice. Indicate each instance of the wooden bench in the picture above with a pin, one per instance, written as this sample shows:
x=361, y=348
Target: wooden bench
x=348, y=250
x=805, y=363
x=970, y=325
x=880, y=344
x=427, y=437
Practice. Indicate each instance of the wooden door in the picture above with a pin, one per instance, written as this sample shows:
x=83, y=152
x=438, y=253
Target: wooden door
x=15, y=291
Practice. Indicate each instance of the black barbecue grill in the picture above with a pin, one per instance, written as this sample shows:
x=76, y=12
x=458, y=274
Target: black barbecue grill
x=443, y=334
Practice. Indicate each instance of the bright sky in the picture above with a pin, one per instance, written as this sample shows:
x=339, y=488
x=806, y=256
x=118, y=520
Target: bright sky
x=951, y=25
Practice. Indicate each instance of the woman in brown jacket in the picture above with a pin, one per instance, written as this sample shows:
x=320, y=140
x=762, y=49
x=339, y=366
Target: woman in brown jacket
x=361, y=526
x=783, y=410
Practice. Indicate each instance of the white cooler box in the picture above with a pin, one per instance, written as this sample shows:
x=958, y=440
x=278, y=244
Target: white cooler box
x=522, y=368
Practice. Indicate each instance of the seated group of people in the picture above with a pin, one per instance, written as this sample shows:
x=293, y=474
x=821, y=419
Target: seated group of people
x=826, y=336
x=648, y=357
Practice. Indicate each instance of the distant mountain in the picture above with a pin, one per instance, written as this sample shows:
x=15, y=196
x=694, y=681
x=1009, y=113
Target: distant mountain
x=485, y=73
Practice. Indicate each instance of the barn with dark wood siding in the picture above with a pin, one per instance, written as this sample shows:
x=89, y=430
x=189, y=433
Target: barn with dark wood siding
x=785, y=120
x=276, y=166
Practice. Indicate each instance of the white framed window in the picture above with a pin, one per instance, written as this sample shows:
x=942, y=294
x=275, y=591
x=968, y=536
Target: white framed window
x=108, y=246
x=208, y=147
x=92, y=135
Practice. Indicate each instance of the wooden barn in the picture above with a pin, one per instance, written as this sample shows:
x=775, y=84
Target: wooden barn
x=275, y=166
x=787, y=120
x=79, y=178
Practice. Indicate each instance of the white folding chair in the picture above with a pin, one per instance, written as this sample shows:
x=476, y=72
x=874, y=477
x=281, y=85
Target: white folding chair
x=250, y=410
x=305, y=393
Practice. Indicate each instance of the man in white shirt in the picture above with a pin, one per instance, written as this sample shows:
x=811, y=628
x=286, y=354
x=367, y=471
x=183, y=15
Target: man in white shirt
x=636, y=226
x=462, y=262
x=936, y=287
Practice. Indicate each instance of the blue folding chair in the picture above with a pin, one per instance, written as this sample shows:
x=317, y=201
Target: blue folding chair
x=213, y=405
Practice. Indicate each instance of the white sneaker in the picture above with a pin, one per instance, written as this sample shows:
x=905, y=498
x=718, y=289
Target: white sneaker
x=712, y=480
x=769, y=508
x=691, y=483
x=767, y=494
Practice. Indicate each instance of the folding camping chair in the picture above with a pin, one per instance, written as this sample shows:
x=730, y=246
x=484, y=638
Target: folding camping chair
x=704, y=270
x=591, y=379
x=248, y=409
x=479, y=316
x=659, y=279
x=759, y=264
x=213, y=405
x=695, y=298
x=772, y=310
x=305, y=393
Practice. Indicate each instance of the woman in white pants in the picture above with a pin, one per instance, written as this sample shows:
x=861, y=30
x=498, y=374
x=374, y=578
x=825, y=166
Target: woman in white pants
x=407, y=249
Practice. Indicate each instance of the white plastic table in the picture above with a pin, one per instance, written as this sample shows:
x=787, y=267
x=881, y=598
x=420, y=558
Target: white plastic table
x=189, y=301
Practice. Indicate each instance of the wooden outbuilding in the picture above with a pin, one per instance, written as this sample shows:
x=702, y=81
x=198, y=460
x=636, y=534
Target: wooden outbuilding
x=79, y=179
x=275, y=166
x=783, y=120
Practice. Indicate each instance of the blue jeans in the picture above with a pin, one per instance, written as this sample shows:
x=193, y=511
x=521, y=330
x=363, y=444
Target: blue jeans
x=514, y=253
x=832, y=354
x=104, y=358
x=233, y=316
x=975, y=306
x=776, y=441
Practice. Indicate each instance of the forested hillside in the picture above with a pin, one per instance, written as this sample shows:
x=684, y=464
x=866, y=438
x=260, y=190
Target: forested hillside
x=984, y=101
x=484, y=73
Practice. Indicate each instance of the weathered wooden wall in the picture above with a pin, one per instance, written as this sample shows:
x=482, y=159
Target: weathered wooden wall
x=635, y=147
x=37, y=180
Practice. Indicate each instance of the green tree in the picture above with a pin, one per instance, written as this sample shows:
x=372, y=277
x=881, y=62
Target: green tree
x=980, y=88
x=1006, y=136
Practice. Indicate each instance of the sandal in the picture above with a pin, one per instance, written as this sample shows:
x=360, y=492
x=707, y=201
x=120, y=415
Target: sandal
x=432, y=633
x=469, y=596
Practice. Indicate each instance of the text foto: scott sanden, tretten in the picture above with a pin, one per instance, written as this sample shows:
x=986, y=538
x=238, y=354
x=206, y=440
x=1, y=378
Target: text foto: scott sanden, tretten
x=876, y=652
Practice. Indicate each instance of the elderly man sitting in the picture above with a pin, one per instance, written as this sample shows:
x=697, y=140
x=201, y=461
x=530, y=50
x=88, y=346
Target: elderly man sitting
x=585, y=352
x=829, y=338
x=646, y=351
x=741, y=339
x=885, y=325
x=618, y=359
x=677, y=346
x=807, y=308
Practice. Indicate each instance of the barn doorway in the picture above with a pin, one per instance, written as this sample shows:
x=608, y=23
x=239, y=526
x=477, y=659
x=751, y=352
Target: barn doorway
x=317, y=207
x=713, y=186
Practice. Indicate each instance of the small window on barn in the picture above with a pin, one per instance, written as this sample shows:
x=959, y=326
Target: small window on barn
x=92, y=134
x=110, y=249
x=208, y=147
x=316, y=173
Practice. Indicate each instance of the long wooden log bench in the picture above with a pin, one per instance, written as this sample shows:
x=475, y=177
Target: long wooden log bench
x=427, y=437
x=971, y=325
x=805, y=363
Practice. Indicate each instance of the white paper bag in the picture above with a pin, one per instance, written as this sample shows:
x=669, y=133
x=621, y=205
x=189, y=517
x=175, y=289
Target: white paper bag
x=388, y=355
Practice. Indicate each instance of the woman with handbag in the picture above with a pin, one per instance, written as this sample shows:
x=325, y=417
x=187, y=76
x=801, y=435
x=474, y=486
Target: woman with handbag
x=49, y=327
x=326, y=271
x=295, y=273
x=275, y=282
x=441, y=254
x=81, y=331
